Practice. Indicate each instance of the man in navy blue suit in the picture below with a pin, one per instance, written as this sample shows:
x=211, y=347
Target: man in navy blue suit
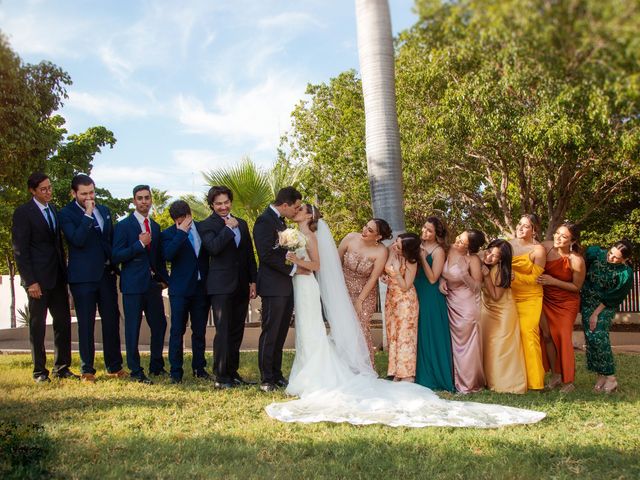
x=88, y=230
x=182, y=246
x=137, y=245
x=230, y=284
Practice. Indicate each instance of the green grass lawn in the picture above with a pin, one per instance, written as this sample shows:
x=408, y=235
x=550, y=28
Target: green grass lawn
x=118, y=429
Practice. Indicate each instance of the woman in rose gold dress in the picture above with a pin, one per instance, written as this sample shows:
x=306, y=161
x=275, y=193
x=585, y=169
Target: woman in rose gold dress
x=363, y=257
x=401, y=307
x=461, y=282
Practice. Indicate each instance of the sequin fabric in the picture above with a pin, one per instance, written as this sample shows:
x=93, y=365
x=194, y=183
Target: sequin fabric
x=357, y=269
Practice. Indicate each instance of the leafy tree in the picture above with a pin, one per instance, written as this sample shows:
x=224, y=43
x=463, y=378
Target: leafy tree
x=327, y=144
x=510, y=106
x=32, y=137
x=253, y=187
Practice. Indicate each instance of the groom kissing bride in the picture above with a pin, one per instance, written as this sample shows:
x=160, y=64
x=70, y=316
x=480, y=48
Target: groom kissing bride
x=275, y=286
x=332, y=373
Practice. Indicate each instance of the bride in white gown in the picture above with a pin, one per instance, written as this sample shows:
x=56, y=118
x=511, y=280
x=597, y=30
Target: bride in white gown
x=332, y=374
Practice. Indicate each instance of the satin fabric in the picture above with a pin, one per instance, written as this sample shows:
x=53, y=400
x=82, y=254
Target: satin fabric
x=504, y=364
x=463, y=306
x=561, y=308
x=528, y=296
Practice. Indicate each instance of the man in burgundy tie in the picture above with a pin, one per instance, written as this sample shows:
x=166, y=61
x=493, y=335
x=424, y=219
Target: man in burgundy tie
x=230, y=284
x=137, y=246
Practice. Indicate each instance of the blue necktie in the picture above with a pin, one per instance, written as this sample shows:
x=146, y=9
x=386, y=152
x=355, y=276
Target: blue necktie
x=96, y=224
x=49, y=218
x=192, y=240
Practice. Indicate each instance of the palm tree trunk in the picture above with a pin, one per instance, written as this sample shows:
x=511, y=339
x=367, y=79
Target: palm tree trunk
x=384, y=162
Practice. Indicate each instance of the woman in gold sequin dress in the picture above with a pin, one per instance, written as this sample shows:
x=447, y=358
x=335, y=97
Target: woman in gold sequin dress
x=363, y=257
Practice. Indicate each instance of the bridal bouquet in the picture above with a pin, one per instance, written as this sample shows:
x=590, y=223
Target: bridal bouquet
x=291, y=239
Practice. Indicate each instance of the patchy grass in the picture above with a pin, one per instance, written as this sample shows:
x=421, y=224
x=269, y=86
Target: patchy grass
x=118, y=429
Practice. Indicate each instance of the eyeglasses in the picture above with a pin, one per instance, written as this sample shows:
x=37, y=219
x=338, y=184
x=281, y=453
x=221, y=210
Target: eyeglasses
x=45, y=189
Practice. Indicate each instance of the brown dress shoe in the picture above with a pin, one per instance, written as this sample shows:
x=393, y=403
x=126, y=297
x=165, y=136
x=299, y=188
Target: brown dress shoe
x=119, y=374
x=88, y=378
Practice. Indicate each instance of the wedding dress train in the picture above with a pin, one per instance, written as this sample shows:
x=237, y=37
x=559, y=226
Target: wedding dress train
x=333, y=378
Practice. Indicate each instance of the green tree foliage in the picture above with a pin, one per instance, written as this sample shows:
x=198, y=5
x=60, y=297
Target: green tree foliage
x=517, y=106
x=33, y=137
x=253, y=187
x=327, y=144
x=505, y=106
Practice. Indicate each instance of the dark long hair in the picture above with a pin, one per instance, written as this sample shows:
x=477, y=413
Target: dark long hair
x=384, y=230
x=625, y=247
x=476, y=240
x=410, y=246
x=506, y=254
x=441, y=230
x=574, y=230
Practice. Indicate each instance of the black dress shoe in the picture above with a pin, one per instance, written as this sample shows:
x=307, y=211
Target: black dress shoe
x=176, y=380
x=66, y=373
x=268, y=387
x=222, y=385
x=141, y=378
x=202, y=374
x=241, y=382
x=282, y=382
x=160, y=373
x=42, y=379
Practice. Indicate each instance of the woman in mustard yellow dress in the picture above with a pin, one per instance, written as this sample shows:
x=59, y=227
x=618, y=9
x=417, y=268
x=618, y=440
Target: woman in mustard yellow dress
x=502, y=354
x=529, y=258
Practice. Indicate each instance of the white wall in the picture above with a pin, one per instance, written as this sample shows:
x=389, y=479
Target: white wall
x=5, y=300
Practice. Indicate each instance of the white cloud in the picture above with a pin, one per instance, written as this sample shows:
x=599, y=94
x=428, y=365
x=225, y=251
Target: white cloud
x=289, y=21
x=107, y=105
x=258, y=115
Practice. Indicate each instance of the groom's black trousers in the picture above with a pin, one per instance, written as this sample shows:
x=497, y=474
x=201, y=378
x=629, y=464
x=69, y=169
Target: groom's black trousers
x=276, y=316
x=229, y=315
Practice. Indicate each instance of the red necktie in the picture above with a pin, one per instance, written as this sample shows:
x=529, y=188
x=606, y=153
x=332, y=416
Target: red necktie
x=148, y=230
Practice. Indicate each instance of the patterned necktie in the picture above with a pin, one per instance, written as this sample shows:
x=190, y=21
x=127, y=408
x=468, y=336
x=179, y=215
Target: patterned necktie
x=47, y=211
x=96, y=224
x=148, y=230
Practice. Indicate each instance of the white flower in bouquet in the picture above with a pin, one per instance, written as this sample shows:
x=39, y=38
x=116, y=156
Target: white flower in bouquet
x=292, y=239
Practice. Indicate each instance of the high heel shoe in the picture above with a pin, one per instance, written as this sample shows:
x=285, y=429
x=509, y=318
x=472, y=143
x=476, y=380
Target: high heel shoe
x=610, y=386
x=567, y=387
x=553, y=383
x=599, y=384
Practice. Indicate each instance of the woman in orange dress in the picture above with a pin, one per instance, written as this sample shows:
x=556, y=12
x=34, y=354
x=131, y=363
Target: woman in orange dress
x=529, y=258
x=401, y=307
x=562, y=280
x=363, y=258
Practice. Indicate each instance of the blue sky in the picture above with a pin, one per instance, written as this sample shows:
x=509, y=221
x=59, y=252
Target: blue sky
x=186, y=86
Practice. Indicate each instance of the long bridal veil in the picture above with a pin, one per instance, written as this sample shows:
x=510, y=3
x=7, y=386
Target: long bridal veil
x=346, y=334
x=336, y=381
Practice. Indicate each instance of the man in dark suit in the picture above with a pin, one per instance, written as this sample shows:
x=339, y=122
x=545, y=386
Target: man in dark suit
x=274, y=286
x=88, y=230
x=137, y=245
x=182, y=246
x=231, y=282
x=37, y=247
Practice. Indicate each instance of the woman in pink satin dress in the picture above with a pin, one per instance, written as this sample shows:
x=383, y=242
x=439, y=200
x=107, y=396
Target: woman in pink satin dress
x=461, y=282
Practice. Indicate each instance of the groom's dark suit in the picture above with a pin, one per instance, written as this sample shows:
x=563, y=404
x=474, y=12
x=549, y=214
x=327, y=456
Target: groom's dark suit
x=276, y=291
x=40, y=259
x=231, y=269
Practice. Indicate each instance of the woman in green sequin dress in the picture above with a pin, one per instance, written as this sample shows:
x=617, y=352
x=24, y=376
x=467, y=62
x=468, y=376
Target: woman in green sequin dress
x=608, y=281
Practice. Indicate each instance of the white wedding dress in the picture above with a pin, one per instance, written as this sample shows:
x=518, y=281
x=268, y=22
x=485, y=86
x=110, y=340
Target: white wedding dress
x=334, y=380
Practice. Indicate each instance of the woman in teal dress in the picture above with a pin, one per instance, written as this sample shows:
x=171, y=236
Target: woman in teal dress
x=608, y=281
x=434, y=366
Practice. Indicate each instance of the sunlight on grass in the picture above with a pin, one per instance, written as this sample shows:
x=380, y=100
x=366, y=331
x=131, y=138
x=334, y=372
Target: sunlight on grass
x=118, y=429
